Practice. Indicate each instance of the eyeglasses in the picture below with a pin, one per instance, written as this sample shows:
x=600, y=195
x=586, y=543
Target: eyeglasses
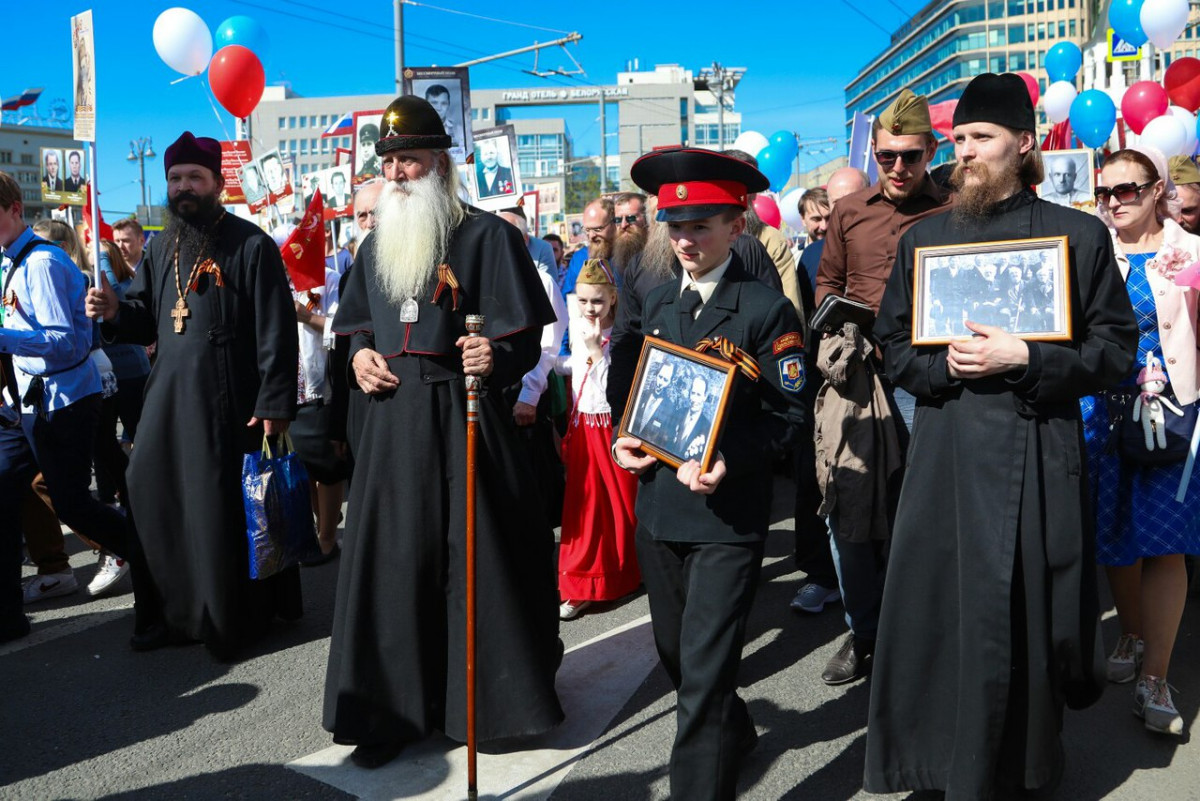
x=628, y=219
x=888, y=157
x=1124, y=193
x=596, y=229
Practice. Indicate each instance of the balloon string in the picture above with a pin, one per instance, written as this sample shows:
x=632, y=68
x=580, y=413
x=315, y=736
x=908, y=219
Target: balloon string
x=181, y=80
x=213, y=103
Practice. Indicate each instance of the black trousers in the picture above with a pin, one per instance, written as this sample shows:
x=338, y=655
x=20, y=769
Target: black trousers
x=700, y=598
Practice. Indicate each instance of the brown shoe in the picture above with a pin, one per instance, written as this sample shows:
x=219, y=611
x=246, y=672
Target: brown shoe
x=851, y=662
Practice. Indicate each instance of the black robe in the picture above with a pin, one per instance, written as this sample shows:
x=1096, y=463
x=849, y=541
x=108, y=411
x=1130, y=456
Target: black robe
x=398, y=654
x=236, y=359
x=990, y=618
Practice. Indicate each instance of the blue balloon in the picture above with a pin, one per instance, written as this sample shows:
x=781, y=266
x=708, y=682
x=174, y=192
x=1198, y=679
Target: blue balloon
x=1125, y=17
x=785, y=143
x=774, y=163
x=1093, y=115
x=1062, y=62
x=244, y=31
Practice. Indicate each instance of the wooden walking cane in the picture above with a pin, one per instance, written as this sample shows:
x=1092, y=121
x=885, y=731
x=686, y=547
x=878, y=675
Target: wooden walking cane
x=474, y=327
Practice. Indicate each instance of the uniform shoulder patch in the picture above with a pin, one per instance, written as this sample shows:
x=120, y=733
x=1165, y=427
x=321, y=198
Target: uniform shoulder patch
x=792, y=340
x=791, y=373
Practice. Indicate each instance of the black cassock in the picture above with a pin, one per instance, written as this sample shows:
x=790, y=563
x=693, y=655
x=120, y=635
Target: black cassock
x=236, y=359
x=397, y=658
x=990, y=621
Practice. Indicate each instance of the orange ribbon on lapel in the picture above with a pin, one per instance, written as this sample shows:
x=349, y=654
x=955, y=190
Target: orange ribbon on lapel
x=731, y=353
x=209, y=266
x=446, y=278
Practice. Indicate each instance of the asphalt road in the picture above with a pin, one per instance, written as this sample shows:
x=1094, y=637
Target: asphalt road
x=84, y=717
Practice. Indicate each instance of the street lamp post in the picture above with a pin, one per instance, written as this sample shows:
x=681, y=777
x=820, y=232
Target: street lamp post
x=140, y=150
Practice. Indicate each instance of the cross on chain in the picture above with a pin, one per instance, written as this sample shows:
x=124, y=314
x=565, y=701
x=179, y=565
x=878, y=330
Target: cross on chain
x=181, y=312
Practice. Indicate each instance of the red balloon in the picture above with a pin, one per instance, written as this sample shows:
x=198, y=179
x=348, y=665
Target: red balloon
x=1182, y=81
x=768, y=210
x=237, y=79
x=1032, y=85
x=1142, y=102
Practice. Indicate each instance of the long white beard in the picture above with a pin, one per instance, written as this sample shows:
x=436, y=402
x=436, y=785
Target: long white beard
x=413, y=224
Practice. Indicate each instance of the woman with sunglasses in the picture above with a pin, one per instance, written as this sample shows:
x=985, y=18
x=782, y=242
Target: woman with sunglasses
x=1141, y=531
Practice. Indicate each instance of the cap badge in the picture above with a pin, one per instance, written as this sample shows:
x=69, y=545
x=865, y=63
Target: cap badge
x=896, y=127
x=392, y=119
x=681, y=192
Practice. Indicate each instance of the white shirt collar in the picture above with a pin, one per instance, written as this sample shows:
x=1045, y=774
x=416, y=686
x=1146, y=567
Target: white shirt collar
x=707, y=283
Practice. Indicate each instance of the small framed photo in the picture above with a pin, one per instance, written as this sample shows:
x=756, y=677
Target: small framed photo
x=1070, y=179
x=677, y=404
x=1020, y=285
x=497, y=178
x=448, y=90
x=366, y=134
x=532, y=212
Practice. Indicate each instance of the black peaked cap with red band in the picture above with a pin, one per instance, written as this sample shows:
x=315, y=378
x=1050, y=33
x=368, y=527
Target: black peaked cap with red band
x=693, y=184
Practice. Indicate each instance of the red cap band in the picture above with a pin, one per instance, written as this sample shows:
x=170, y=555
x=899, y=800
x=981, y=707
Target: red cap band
x=702, y=193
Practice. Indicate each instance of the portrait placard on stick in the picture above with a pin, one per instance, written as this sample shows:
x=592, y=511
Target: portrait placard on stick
x=83, y=63
x=496, y=177
x=448, y=90
x=366, y=134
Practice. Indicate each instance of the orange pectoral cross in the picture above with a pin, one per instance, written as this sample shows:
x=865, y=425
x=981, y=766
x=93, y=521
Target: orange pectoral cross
x=180, y=313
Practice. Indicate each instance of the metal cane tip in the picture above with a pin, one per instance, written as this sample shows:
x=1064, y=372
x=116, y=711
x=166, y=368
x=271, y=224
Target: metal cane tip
x=474, y=323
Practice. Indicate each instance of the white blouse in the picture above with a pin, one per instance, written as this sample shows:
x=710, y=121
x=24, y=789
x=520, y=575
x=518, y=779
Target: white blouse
x=589, y=393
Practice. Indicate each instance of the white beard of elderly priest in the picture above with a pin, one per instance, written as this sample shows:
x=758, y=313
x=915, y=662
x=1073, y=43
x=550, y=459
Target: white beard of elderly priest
x=397, y=659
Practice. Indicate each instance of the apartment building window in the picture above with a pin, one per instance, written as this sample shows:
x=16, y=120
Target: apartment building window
x=282, y=123
x=5, y=157
x=27, y=158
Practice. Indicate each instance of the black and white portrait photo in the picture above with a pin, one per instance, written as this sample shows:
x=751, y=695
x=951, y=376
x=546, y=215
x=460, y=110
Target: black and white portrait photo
x=1070, y=180
x=253, y=186
x=448, y=90
x=276, y=179
x=1020, y=286
x=366, y=134
x=496, y=178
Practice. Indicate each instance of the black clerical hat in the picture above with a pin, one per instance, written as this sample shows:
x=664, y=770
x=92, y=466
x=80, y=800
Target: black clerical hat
x=998, y=99
x=410, y=123
x=189, y=149
x=693, y=184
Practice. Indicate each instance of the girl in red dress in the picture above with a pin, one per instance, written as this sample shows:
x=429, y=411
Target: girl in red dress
x=596, y=558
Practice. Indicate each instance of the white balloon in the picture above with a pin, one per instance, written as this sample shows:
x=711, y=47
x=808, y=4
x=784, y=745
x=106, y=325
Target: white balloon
x=1058, y=99
x=183, y=41
x=789, y=208
x=1189, y=126
x=1164, y=20
x=751, y=142
x=1166, y=133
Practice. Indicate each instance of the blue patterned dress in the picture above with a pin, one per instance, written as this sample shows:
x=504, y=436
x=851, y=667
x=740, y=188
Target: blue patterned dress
x=1136, y=512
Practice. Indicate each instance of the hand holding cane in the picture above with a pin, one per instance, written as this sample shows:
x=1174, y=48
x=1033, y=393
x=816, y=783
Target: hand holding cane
x=473, y=382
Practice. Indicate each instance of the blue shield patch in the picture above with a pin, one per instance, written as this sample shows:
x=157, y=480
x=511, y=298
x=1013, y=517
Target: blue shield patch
x=791, y=373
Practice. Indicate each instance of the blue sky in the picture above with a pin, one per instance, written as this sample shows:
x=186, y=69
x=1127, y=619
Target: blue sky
x=798, y=59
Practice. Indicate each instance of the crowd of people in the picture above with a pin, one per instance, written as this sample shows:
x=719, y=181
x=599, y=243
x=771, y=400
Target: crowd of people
x=955, y=498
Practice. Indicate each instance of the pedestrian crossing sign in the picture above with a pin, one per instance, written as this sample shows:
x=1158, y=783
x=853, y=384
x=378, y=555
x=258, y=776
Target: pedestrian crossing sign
x=1121, y=50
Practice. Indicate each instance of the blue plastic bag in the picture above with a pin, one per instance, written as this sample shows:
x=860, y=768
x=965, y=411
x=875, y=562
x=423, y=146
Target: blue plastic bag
x=279, y=517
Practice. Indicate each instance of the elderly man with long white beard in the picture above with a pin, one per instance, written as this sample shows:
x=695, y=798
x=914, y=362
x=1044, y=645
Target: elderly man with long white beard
x=397, y=659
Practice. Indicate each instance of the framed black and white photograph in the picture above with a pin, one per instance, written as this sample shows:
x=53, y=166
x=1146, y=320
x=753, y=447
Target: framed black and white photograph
x=1070, y=179
x=53, y=184
x=1019, y=285
x=253, y=186
x=677, y=404
x=448, y=90
x=334, y=184
x=279, y=185
x=366, y=134
x=497, y=179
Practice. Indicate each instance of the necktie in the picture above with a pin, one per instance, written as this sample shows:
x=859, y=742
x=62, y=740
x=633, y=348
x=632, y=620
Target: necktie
x=689, y=301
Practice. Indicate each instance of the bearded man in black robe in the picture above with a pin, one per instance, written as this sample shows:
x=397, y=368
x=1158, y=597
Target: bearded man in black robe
x=213, y=295
x=990, y=618
x=397, y=662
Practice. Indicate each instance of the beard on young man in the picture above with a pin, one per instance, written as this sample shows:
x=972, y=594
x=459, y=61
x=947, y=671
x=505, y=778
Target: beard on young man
x=413, y=225
x=977, y=197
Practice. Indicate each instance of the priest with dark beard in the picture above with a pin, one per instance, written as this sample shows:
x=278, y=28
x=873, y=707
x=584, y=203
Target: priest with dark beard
x=973, y=670
x=213, y=294
x=397, y=661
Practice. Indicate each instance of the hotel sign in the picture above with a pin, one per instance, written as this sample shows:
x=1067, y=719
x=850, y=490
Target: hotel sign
x=576, y=95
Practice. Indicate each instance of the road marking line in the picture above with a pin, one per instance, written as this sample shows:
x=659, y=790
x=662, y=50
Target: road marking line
x=44, y=632
x=595, y=681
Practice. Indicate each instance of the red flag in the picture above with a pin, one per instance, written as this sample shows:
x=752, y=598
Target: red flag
x=941, y=116
x=106, y=231
x=304, y=251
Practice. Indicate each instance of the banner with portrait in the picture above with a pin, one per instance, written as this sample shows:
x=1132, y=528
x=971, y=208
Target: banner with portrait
x=234, y=155
x=64, y=175
x=253, y=187
x=334, y=184
x=279, y=186
x=448, y=90
x=496, y=177
x=83, y=65
x=366, y=134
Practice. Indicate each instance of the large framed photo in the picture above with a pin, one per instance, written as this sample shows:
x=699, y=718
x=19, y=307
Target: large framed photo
x=677, y=404
x=497, y=179
x=1019, y=285
x=448, y=90
x=366, y=134
x=1070, y=179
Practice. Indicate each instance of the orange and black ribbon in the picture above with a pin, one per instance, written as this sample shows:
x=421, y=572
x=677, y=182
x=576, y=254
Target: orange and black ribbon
x=446, y=278
x=314, y=300
x=209, y=266
x=731, y=353
x=10, y=301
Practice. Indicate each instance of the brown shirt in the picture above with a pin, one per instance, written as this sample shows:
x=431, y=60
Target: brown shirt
x=864, y=232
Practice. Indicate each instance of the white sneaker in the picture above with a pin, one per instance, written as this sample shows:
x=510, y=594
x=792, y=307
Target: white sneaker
x=1126, y=659
x=1152, y=703
x=51, y=585
x=108, y=573
x=569, y=610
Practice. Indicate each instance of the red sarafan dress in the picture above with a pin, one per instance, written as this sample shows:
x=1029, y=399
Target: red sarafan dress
x=596, y=557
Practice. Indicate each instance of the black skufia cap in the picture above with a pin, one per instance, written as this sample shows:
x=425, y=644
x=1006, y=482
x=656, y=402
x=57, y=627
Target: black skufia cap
x=410, y=123
x=998, y=99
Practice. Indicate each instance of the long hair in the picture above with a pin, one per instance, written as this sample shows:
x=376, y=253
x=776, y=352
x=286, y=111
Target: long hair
x=64, y=235
x=1168, y=204
x=116, y=260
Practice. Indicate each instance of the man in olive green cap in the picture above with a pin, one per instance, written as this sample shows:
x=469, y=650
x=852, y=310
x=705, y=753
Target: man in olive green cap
x=1187, y=183
x=860, y=249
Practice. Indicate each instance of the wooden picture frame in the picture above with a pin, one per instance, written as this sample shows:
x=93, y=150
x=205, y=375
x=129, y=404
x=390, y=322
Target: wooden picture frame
x=1020, y=285
x=1070, y=179
x=661, y=410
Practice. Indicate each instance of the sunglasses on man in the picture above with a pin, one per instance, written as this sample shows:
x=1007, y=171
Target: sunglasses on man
x=887, y=158
x=628, y=219
x=1124, y=193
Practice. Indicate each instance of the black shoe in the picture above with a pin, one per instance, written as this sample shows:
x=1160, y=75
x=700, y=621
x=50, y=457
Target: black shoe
x=151, y=638
x=749, y=739
x=375, y=755
x=851, y=662
x=15, y=630
x=324, y=558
